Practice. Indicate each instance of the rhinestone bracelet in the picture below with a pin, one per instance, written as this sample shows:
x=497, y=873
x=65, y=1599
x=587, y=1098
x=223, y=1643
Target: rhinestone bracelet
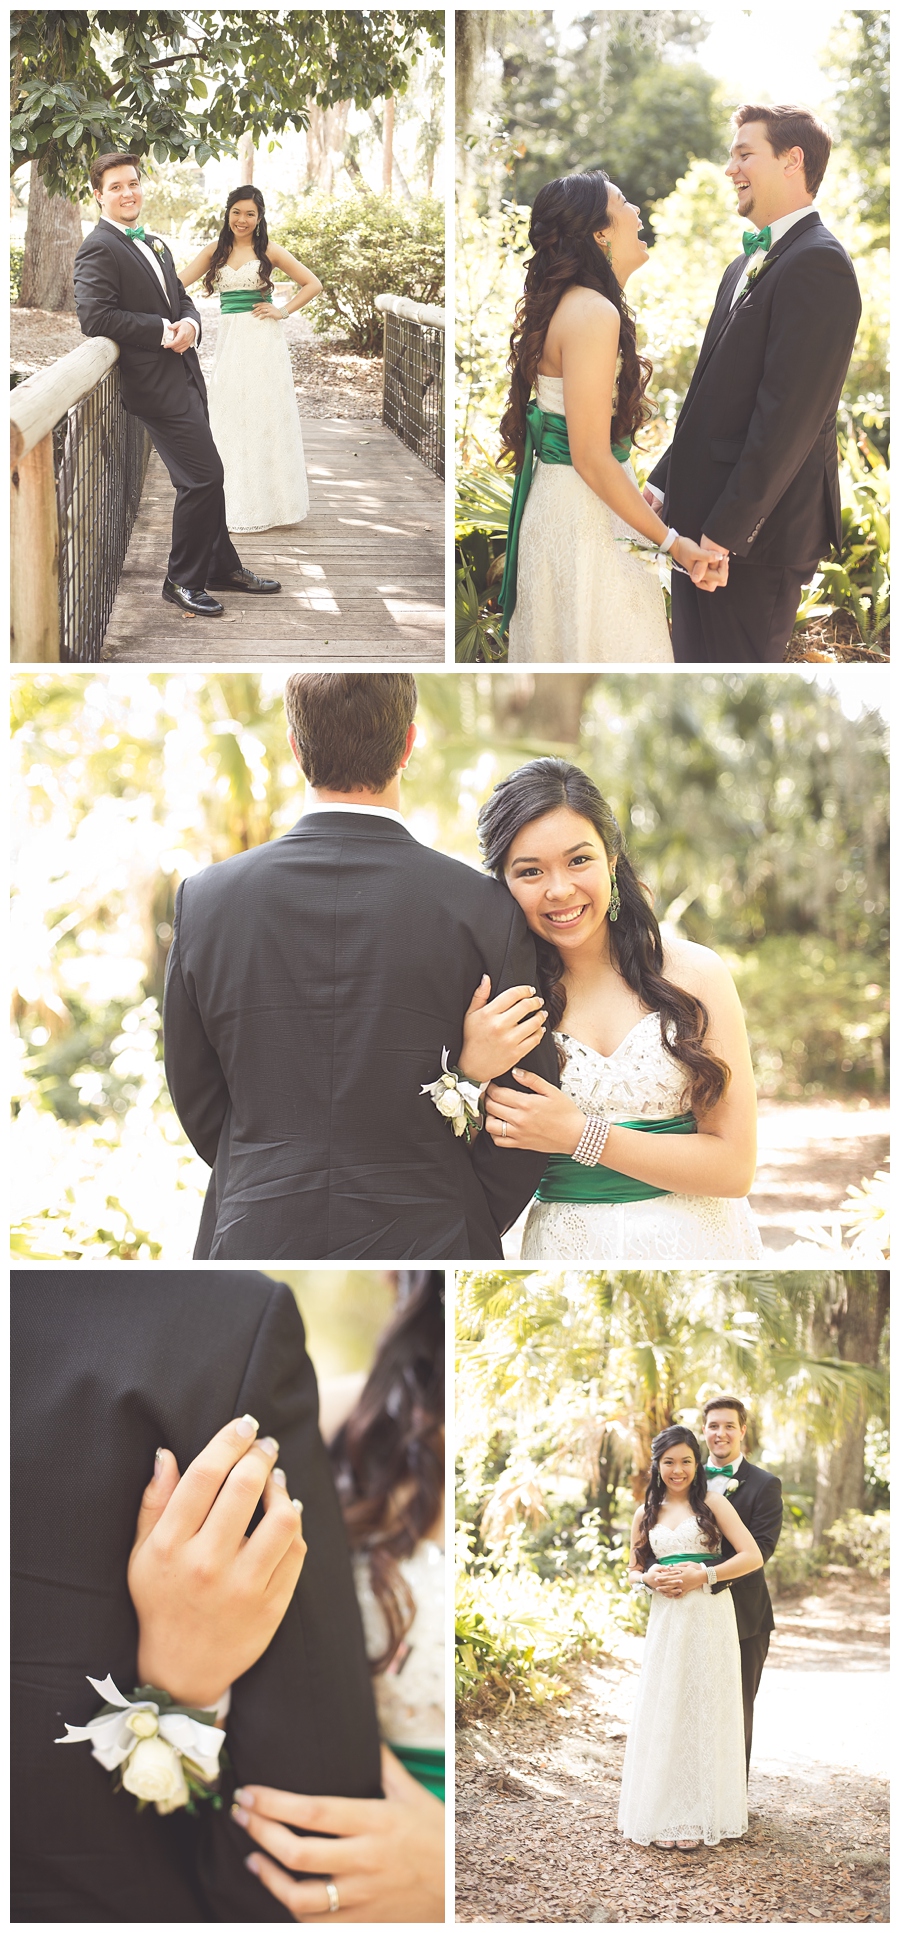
x=593, y=1141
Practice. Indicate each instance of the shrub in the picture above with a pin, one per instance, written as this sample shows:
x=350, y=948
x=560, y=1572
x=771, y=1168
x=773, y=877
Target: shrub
x=864, y=1542
x=831, y=1036
x=16, y=258
x=794, y=1562
x=362, y=246
x=858, y=581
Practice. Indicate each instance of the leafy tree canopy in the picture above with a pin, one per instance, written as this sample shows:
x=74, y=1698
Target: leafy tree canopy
x=180, y=84
x=620, y=92
x=859, y=64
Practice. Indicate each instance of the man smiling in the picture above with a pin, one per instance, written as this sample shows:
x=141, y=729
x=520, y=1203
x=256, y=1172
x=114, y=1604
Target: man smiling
x=753, y=464
x=756, y=1496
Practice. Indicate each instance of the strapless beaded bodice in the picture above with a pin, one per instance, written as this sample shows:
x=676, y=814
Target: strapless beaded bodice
x=640, y=1080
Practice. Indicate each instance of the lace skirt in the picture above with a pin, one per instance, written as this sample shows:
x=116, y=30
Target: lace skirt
x=669, y=1228
x=685, y=1773
x=255, y=425
x=582, y=595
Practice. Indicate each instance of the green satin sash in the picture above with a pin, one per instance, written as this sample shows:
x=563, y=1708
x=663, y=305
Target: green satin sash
x=546, y=441
x=424, y=1764
x=238, y=301
x=691, y=1557
x=570, y=1181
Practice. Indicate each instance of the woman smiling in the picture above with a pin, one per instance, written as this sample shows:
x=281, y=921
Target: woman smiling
x=651, y=1138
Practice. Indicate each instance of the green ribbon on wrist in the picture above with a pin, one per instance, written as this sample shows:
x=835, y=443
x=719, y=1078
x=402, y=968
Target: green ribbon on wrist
x=546, y=441
x=565, y=1180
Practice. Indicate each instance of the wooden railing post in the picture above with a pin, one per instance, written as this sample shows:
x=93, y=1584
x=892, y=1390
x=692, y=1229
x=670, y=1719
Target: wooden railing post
x=34, y=558
x=34, y=407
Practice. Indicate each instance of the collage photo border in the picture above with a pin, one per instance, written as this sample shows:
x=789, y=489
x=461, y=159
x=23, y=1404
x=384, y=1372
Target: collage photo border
x=759, y=1264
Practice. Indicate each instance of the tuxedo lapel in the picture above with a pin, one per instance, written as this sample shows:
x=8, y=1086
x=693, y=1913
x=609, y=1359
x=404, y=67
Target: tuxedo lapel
x=134, y=255
x=167, y=265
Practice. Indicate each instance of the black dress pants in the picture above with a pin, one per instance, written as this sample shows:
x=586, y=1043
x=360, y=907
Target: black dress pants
x=754, y=1652
x=749, y=621
x=201, y=546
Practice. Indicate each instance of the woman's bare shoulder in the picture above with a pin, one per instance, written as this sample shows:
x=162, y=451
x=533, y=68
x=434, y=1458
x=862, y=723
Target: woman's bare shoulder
x=695, y=968
x=585, y=311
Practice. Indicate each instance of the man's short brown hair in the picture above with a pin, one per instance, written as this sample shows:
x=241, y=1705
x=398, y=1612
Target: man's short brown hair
x=793, y=127
x=350, y=727
x=728, y=1402
x=104, y=162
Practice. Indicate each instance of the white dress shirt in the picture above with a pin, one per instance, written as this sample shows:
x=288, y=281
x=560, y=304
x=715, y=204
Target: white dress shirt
x=778, y=228
x=135, y=240
x=383, y=811
x=719, y=1484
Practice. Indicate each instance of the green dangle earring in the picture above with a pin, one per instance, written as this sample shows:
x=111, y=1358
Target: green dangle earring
x=614, y=900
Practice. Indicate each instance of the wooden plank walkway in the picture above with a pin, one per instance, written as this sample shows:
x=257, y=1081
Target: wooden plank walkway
x=362, y=577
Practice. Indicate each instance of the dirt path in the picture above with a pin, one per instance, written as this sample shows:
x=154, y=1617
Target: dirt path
x=808, y=1158
x=537, y=1792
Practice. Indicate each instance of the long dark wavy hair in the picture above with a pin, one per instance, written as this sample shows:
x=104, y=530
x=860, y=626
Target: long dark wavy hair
x=656, y=1495
x=634, y=938
x=388, y=1457
x=225, y=242
x=565, y=216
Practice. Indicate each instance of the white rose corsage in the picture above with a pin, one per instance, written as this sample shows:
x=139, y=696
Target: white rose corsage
x=158, y=247
x=457, y=1099
x=165, y=1754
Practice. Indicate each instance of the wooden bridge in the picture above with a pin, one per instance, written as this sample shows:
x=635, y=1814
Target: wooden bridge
x=362, y=578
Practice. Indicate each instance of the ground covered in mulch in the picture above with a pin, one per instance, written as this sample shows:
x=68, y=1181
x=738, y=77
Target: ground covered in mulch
x=836, y=640
x=329, y=380
x=537, y=1796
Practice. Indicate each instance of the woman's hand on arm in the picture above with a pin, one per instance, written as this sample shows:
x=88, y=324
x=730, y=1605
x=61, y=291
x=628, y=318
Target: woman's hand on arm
x=308, y=284
x=385, y=1856
x=541, y=1117
x=587, y=334
x=497, y=1033
x=192, y=271
x=208, y=1598
x=748, y=1555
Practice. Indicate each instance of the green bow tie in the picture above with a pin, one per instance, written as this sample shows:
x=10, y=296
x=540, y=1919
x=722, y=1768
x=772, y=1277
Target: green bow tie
x=719, y=1470
x=752, y=241
x=135, y=234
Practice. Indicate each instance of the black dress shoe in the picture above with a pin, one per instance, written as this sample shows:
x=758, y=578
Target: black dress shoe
x=244, y=580
x=198, y=603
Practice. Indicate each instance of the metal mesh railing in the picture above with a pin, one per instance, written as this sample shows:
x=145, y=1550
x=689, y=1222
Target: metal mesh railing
x=413, y=405
x=100, y=458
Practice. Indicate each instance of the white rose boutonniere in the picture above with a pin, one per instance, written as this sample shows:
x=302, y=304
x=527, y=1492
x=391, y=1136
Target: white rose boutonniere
x=732, y=1483
x=158, y=247
x=163, y=1753
x=457, y=1099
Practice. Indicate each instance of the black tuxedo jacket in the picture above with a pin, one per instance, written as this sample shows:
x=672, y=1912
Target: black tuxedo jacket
x=753, y=462
x=757, y=1501
x=106, y=1365
x=311, y=986
x=118, y=295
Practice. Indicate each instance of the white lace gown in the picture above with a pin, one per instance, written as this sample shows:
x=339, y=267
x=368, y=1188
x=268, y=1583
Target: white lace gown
x=640, y=1081
x=253, y=416
x=684, y=1775
x=409, y=1696
x=582, y=596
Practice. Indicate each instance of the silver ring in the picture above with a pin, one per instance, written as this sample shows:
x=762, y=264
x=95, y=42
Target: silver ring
x=334, y=1904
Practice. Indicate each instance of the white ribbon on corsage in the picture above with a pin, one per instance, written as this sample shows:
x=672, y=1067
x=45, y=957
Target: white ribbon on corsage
x=456, y=1098
x=112, y=1739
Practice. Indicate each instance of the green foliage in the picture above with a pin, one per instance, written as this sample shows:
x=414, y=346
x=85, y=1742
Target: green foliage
x=859, y=581
x=615, y=91
x=176, y=84
x=361, y=246
x=563, y=1377
x=861, y=1541
x=858, y=60
x=16, y=258
x=833, y=1036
